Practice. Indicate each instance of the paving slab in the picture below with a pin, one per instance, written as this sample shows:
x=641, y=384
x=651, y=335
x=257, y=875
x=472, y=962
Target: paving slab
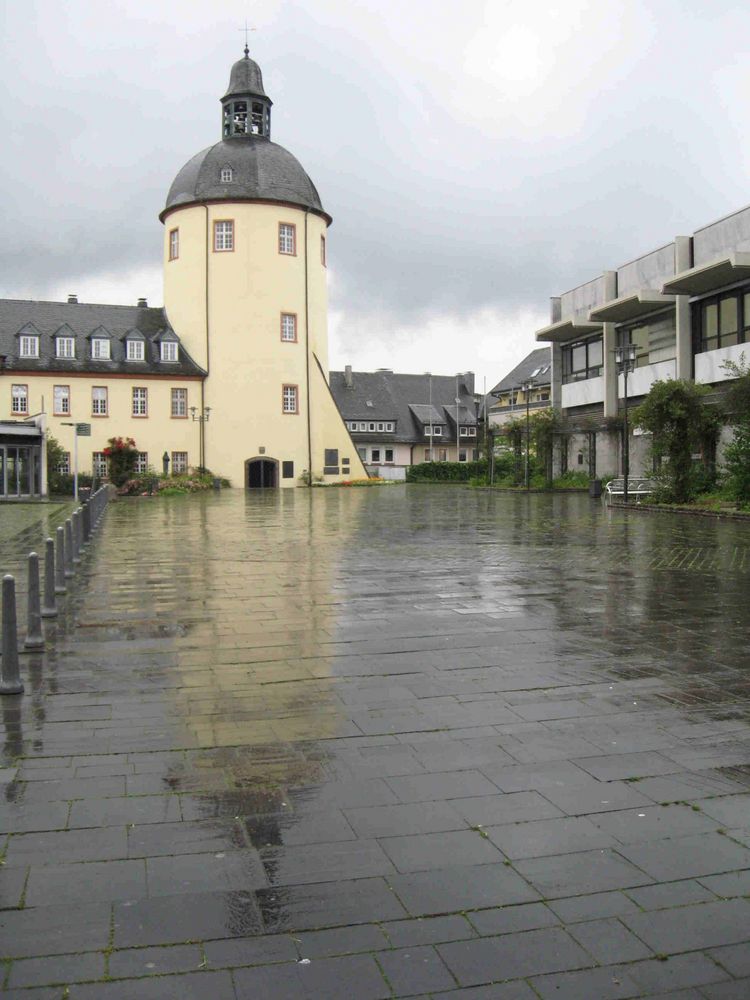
x=399, y=742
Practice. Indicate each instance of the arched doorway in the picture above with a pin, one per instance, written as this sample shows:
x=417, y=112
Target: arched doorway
x=261, y=474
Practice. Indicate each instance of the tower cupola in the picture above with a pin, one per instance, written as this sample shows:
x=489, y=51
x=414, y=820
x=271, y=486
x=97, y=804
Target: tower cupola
x=246, y=107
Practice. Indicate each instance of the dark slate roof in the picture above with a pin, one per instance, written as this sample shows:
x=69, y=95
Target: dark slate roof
x=536, y=366
x=246, y=78
x=262, y=171
x=83, y=319
x=405, y=399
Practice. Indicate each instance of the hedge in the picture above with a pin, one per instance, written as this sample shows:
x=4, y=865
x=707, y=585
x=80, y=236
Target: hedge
x=446, y=472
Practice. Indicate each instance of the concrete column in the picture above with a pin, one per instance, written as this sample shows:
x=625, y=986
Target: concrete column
x=556, y=378
x=683, y=261
x=608, y=345
x=610, y=371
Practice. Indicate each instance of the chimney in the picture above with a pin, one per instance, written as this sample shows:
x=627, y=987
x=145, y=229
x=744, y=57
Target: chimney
x=142, y=304
x=468, y=381
x=348, y=380
x=72, y=299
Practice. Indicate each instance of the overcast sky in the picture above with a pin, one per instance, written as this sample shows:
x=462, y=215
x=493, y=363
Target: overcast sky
x=477, y=157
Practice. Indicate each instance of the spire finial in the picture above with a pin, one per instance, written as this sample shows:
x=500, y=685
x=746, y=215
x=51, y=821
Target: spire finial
x=246, y=29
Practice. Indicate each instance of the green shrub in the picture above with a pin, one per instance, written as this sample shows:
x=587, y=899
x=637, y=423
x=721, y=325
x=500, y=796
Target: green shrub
x=571, y=480
x=446, y=472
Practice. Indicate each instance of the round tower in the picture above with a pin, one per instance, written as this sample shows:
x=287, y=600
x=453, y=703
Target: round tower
x=245, y=289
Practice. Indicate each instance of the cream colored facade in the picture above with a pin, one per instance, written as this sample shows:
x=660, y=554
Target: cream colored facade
x=245, y=290
x=245, y=324
x=155, y=433
x=227, y=306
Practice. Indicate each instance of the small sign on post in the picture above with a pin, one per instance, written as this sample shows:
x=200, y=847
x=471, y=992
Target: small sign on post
x=83, y=430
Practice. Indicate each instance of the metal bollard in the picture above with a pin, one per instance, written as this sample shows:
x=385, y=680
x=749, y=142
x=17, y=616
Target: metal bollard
x=34, y=635
x=10, y=677
x=60, y=587
x=49, y=607
x=69, y=571
x=86, y=522
x=76, y=539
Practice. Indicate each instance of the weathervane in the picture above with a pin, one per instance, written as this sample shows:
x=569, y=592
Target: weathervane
x=246, y=29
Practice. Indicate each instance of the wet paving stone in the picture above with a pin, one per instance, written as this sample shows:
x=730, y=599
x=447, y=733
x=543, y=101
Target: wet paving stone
x=175, y=919
x=154, y=961
x=686, y=857
x=586, y=872
x=195, y=986
x=545, y=837
x=435, y=741
x=512, y=956
x=332, y=978
x=57, y=969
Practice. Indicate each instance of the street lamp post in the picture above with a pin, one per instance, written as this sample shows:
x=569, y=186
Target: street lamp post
x=625, y=361
x=202, y=418
x=458, y=424
x=527, y=387
x=432, y=426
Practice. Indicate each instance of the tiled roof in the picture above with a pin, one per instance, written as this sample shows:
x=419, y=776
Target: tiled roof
x=405, y=399
x=81, y=320
x=536, y=367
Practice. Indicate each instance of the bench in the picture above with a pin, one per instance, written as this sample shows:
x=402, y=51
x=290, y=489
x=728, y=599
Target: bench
x=638, y=487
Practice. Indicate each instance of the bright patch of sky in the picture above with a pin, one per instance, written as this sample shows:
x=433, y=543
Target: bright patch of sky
x=477, y=157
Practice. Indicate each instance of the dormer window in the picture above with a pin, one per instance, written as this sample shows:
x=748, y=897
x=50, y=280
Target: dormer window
x=29, y=347
x=100, y=349
x=65, y=347
x=168, y=350
x=227, y=175
x=134, y=350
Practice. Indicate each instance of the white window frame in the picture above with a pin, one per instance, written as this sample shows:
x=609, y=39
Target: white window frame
x=100, y=349
x=386, y=452
x=174, y=244
x=290, y=399
x=134, y=350
x=19, y=398
x=226, y=177
x=141, y=462
x=178, y=402
x=289, y=328
x=139, y=401
x=223, y=235
x=375, y=455
x=100, y=402
x=381, y=427
x=65, y=347
x=288, y=239
x=99, y=464
x=363, y=427
x=29, y=346
x=179, y=462
x=389, y=426
x=169, y=350
x=61, y=400
x=63, y=467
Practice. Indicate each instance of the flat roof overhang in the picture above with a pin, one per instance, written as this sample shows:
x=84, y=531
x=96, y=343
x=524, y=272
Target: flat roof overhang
x=20, y=430
x=567, y=329
x=631, y=307
x=705, y=278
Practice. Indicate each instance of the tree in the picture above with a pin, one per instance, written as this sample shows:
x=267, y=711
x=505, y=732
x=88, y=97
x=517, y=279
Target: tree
x=675, y=414
x=121, y=454
x=55, y=457
x=515, y=432
x=544, y=425
x=737, y=453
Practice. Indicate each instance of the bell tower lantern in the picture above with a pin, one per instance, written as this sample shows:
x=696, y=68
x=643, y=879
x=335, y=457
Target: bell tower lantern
x=246, y=107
